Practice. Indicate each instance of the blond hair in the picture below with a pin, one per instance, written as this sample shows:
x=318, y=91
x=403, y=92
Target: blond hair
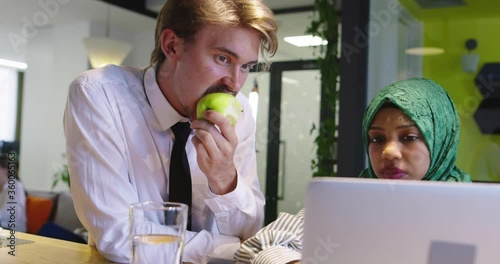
x=187, y=17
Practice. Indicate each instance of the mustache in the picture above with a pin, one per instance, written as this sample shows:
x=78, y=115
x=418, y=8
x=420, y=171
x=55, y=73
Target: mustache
x=219, y=88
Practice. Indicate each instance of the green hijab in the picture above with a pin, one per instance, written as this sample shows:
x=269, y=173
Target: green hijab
x=430, y=107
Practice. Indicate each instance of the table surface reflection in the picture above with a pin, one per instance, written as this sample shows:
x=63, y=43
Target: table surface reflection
x=48, y=250
x=44, y=250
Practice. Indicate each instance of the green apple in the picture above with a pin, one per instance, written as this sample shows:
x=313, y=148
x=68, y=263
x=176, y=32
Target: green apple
x=224, y=103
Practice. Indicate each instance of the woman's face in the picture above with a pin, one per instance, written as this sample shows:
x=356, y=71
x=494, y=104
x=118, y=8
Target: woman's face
x=396, y=147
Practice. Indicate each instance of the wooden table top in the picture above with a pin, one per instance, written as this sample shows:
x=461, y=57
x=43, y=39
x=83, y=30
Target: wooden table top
x=48, y=250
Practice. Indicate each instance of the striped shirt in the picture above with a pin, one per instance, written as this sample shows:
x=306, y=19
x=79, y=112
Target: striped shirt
x=278, y=242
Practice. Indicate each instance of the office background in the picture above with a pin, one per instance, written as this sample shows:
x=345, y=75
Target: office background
x=47, y=36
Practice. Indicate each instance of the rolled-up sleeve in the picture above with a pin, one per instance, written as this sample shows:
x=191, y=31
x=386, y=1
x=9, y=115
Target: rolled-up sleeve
x=279, y=242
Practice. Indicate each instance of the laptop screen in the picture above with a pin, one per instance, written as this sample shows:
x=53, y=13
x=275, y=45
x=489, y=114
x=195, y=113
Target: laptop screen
x=352, y=220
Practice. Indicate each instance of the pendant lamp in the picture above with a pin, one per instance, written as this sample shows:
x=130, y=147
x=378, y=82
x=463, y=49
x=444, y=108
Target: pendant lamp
x=105, y=50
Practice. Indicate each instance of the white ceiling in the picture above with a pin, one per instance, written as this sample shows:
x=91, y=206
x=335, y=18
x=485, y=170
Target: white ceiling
x=73, y=11
x=14, y=14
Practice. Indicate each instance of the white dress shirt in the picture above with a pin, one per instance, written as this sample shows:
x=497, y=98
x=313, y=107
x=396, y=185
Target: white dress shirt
x=118, y=137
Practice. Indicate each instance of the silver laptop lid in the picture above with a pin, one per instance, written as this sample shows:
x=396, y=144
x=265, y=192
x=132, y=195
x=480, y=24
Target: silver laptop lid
x=352, y=220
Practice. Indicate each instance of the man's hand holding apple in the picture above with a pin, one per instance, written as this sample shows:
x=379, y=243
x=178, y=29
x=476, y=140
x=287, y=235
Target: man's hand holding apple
x=215, y=140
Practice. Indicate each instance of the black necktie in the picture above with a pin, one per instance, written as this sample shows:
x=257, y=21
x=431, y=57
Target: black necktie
x=180, y=176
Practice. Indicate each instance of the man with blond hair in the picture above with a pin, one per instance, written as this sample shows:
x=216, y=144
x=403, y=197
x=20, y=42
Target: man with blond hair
x=119, y=129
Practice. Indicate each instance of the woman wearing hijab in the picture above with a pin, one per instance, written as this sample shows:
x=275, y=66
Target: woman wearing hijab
x=411, y=131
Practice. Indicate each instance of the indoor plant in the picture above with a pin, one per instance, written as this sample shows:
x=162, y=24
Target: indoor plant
x=325, y=25
x=61, y=175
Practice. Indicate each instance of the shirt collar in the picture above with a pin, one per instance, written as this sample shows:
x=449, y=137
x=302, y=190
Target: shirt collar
x=163, y=110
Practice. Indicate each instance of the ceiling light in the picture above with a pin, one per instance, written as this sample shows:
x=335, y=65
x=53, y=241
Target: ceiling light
x=13, y=64
x=423, y=51
x=104, y=51
x=305, y=41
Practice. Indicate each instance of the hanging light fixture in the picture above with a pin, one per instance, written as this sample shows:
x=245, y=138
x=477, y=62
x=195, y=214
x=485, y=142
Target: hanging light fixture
x=433, y=45
x=105, y=50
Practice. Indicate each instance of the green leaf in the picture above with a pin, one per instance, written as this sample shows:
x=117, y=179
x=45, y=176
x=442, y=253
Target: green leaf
x=61, y=175
x=325, y=25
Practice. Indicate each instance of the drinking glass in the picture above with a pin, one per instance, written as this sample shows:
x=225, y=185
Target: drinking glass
x=157, y=232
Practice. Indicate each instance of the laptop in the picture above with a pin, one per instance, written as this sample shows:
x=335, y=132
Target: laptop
x=354, y=221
